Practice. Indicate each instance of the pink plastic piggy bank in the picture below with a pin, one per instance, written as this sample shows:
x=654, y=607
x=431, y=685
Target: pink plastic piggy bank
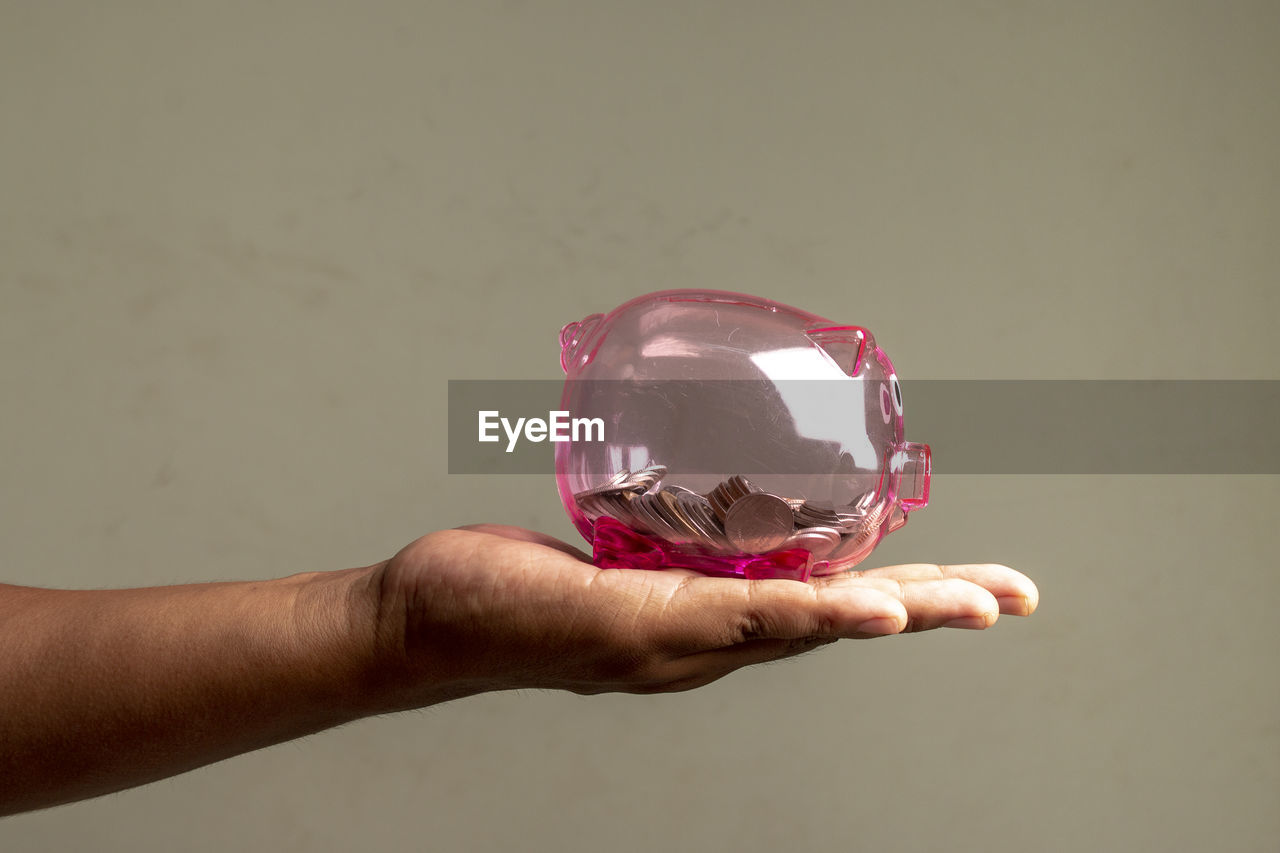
x=741, y=437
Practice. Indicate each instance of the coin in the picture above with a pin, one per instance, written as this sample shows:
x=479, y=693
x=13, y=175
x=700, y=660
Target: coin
x=607, y=503
x=642, y=506
x=867, y=530
x=696, y=508
x=615, y=483
x=648, y=477
x=724, y=495
x=818, y=541
x=698, y=511
x=679, y=490
x=667, y=506
x=735, y=517
x=758, y=522
x=812, y=514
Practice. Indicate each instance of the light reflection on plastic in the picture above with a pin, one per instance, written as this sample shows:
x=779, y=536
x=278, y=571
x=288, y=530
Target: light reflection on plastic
x=819, y=413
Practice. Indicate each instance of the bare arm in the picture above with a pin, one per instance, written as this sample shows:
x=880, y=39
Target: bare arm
x=101, y=690
x=104, y=689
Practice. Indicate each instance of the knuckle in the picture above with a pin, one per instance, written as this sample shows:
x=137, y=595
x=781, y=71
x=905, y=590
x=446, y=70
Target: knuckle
x=903, y=592
x=751, y=625
x=821, y=624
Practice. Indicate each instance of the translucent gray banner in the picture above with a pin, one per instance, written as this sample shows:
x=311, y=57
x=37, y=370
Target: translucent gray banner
x=972, y=426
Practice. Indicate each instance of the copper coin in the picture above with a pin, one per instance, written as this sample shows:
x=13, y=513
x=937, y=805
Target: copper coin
x=758, y=522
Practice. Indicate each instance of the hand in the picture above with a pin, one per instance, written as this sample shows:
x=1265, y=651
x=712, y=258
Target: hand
x=491, y=608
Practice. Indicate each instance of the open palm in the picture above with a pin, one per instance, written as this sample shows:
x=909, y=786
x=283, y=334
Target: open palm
x=489, y=607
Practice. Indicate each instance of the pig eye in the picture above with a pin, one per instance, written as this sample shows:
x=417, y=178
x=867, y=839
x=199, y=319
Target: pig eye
x=886, y=402
x=897, y=393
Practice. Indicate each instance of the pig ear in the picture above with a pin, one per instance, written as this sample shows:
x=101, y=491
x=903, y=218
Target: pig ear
x=572, y=340
x=846, y=345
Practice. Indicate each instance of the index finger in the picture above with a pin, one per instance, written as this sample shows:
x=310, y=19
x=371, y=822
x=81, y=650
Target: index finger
x=1015, y=592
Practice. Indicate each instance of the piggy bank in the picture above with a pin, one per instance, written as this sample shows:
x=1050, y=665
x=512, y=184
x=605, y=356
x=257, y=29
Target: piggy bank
x=738, y=437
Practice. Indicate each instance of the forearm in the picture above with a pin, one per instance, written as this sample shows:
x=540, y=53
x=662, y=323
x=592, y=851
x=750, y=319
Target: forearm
x=104, y=689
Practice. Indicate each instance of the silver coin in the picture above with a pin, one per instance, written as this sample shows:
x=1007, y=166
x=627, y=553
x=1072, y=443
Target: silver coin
x=598, y=490
x=646, y=509
x=697, y=510
x=726, y=493
x=818, y=541
x=619, y=506
x=811, y=514
x=758, y=522
x=676, y=491
x=638, y=519
x=646, y=479
x=866, y=533
x=621, y=477
x=606, y=503
x=852, y=515
x=652, y=473
x=668, y=507
x=615, y=483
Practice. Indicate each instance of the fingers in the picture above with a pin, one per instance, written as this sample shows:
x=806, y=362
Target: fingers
x=786, y=620
x=677, y=629
x=948, y=603
x=703, y=613
x=719, y=621
x=1013, y=591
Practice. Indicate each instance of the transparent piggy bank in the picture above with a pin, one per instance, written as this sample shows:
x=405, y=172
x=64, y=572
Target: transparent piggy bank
x=734, y=436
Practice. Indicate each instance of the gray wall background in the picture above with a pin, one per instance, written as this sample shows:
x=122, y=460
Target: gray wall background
x=244, y=245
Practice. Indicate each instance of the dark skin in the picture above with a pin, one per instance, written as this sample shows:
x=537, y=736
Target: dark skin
x=101, y=690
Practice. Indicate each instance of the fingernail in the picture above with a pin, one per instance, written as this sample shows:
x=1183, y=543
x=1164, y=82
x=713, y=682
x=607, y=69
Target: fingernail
x=884, y=625
x=1014, y=605
x=975, y=623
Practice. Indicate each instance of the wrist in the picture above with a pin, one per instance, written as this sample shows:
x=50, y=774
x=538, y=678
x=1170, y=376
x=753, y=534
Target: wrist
x=354, y=624
x=337, y=622
x=407, y=666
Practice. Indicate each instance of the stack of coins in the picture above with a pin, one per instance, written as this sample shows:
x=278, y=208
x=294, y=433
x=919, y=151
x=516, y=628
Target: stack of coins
x=734, y=517
x=724, y=495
